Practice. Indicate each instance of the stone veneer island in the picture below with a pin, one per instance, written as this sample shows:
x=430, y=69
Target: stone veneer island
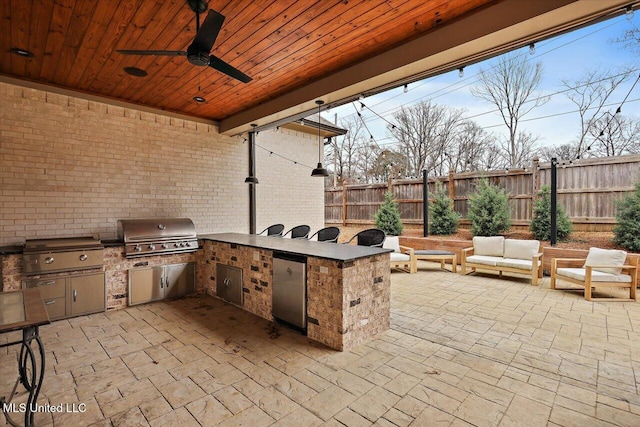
x=348, y=287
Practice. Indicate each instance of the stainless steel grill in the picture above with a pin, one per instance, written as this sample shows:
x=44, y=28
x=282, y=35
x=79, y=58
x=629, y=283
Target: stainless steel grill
x=43, y=256
x=144, y=237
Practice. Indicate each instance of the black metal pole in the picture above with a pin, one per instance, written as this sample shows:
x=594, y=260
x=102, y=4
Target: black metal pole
x=425, y=204
x=252, y=181
x=554, y=201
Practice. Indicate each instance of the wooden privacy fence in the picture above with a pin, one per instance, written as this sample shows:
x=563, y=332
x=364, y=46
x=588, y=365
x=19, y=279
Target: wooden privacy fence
x=587, y=189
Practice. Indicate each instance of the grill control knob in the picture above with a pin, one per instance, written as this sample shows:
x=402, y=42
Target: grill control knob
x=176, y=245
x=165, y=246
x=182, y=244
x=187, y=244
x=152, y=247
x=138, y=248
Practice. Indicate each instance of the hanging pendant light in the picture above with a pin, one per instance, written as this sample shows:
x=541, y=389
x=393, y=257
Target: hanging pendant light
x=319, y=171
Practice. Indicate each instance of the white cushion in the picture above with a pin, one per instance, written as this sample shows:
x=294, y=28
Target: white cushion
x=599, y=257
x=483, y=259
x=521, y=264
x=521, y=249
x=596, y=276
x=490, y=246
x=398, y=257
x=392, y=242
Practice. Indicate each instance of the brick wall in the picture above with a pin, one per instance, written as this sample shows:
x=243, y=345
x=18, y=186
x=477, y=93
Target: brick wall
x=70, y=166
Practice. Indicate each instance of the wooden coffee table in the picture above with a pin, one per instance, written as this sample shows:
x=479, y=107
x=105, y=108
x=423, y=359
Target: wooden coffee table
x=438, y=255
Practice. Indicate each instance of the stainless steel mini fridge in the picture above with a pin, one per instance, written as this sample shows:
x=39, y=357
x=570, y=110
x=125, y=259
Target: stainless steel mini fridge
x=290, y=289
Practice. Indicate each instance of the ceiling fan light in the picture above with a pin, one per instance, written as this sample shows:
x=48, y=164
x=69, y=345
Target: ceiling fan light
x=22, y=52
x=199, y=99
x=135, y=71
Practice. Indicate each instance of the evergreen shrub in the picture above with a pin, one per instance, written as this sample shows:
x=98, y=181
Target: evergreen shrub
x=627, y=232
x=489, y=211
x=443, y=220
x=387, y=218
x=541, y=223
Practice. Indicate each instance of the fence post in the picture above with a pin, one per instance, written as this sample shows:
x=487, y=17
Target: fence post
x=535, y=182
x=344, y=203
x=452, y=188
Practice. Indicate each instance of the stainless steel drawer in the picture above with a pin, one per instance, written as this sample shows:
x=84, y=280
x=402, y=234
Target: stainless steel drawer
x=56, y=308
x=49, y=288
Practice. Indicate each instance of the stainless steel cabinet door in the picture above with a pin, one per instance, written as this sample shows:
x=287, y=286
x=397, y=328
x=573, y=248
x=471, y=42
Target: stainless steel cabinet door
x=290, y=291
x=86, y=293
x=229, y=283
x=179, y=280
x=144, y=285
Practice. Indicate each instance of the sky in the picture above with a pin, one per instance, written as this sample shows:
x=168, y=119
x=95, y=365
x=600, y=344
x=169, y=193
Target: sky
x=565, y=57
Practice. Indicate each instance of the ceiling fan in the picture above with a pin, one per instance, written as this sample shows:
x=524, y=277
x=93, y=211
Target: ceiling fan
x=198, y=53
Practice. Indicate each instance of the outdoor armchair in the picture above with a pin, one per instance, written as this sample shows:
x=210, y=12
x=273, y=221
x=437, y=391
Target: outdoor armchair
x=601, y=268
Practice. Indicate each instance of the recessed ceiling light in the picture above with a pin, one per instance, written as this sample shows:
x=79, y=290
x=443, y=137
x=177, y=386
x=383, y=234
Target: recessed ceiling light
x=134, y=71
x=21, y=52
x=199, y=99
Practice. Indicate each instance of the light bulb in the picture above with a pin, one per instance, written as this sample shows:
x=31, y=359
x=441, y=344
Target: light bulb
x=461, y=72
x=532, y=49
x=629, y=13
x=406, y=88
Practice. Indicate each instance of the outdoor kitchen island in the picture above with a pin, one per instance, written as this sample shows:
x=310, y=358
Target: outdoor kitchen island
x=348, y=287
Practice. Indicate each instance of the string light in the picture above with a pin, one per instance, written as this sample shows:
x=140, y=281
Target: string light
x=532, y=49
x=629, y=13
x=461, y=72
x=406, y=88
x=272, y=153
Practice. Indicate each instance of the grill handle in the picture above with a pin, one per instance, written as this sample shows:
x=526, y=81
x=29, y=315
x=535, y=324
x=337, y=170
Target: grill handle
x=75, y=295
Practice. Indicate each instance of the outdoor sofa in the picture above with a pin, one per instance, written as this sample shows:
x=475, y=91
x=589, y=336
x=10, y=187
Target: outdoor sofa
x=495, y=253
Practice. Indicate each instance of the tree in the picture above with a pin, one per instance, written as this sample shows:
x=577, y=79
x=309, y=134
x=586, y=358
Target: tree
x=387, y=218
x=387, y=164
x=590, y=93
x=342, y=151
x=564, y=151
x=541, y=222
x=473, y=149
x=489, y=211
x=627, y=232
x=511, y=84
x=424, y=132
x=443, y=219
x=614, y=135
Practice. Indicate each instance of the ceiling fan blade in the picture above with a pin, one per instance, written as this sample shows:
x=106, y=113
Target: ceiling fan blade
x=209, y=31
x=153, y=52
x=220, y=65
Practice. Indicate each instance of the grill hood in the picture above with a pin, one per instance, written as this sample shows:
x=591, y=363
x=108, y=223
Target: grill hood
x=143, y=237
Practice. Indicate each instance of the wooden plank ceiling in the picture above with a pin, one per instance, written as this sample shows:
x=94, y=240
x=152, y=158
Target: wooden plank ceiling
x=295, y=51
x=282, y=44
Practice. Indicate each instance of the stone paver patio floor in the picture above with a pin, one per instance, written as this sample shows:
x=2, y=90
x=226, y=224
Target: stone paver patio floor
x=462, y=350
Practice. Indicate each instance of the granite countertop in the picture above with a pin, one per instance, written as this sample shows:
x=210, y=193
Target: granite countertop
x=333, y=251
